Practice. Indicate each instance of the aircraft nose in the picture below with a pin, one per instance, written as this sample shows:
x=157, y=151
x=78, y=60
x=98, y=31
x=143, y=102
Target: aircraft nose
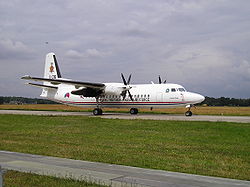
x=195, y=98
x=200, y=98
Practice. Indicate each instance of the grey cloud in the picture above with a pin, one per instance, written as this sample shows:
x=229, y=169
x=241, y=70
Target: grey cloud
x=10, y=49
x=88, y=53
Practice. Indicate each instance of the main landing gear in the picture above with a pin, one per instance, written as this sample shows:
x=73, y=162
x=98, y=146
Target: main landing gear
x=97, y=111
x=133, y=111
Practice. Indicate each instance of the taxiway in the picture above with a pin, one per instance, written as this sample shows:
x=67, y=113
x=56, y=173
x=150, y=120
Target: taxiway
x=238, y=119
x=109, y=174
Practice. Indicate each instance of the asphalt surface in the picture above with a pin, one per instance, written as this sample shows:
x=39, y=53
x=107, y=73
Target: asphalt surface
x=109, y=174
x=239, y=119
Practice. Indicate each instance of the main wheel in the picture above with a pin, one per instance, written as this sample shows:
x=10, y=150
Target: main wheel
x=188, y=113
x=133, y=111
x=97, y=111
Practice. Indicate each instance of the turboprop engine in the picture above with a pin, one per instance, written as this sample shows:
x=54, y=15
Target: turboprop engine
x=115, y=89
x=109, y=89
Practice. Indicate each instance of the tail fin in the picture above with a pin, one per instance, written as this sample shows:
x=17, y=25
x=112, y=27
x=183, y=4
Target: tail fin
x=51, y=70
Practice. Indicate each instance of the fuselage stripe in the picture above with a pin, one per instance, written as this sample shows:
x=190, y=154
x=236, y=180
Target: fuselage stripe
x=124, y=103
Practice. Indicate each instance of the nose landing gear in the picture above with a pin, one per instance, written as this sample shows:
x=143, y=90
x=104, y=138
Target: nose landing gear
x=189, y=113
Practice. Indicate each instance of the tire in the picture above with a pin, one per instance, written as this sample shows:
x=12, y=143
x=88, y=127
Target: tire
x=133, y=111
x=188, y=113
x=97, y=111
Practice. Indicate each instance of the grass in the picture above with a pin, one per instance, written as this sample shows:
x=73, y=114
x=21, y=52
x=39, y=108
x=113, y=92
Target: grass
x=228, y=111
x=205, y=148
x=17, y=179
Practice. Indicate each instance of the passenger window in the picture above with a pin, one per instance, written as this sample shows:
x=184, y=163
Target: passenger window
x=173, y=90
x=167, y=90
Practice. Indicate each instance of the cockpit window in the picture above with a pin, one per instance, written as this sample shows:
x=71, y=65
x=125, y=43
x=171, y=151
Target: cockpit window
x=173, y=90
x=181, y=89
x=167, y=90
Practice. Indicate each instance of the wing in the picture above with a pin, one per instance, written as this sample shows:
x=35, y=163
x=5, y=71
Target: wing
x=77, y=84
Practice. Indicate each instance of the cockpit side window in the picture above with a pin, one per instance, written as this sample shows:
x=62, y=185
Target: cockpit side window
x=181, y=89
x=173, y=90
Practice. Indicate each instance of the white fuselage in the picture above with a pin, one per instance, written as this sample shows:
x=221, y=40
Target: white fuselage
x=144, y=96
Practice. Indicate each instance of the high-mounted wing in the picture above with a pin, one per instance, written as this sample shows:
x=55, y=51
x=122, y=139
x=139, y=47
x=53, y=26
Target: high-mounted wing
x=77, y=84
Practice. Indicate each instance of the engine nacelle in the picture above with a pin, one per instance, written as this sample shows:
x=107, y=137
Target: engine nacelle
x=114, y=89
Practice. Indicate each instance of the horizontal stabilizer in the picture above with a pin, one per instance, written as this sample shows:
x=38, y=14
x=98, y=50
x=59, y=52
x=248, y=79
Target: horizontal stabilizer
x=42, y=86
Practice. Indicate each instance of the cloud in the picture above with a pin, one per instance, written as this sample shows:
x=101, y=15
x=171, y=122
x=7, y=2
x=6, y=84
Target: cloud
x=88, y=53
x=74, y=54
x=10, y=49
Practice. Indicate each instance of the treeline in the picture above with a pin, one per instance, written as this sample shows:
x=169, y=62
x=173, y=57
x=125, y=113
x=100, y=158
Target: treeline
x=23, y=100
x=225, y=101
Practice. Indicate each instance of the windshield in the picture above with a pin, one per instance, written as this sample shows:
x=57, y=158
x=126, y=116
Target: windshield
x=181, y=89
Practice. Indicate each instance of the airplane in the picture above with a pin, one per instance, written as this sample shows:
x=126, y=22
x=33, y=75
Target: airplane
x=111, y=95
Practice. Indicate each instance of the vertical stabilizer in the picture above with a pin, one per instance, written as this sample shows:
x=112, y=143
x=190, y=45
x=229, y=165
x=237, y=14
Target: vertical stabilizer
x=51, y=71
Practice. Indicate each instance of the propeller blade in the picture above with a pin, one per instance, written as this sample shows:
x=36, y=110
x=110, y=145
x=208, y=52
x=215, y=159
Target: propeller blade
x=165, y=82
x=124, y=81
x=131, y=97
x=124, y=95
x=129, y=79
x=159, y=79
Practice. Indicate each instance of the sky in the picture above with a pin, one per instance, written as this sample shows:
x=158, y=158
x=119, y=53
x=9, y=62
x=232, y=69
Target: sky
x=202, y=45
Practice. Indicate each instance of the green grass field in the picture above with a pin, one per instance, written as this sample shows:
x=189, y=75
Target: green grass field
x=205, y=148
x=17, y=179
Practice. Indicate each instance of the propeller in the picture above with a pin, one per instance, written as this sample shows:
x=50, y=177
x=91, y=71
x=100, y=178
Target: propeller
x=126, y=83
x=160, y=82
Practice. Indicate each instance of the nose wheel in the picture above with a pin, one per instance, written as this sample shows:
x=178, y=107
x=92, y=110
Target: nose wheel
x=188, y=113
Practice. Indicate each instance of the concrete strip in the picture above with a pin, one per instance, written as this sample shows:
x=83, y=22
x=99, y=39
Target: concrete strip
x=238, y=119
x=109, y=174
x=61, y=171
